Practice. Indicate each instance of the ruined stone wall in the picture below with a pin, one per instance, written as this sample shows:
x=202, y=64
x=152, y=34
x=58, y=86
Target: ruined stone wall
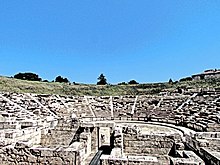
x=62, y=134
x=150, y=144
x=94, y=136
x=85, y=138
x=23, y=155
x=186, y=158
x=211, y=157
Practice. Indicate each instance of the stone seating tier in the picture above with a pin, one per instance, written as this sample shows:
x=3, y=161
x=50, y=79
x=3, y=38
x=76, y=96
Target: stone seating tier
x=198, y=112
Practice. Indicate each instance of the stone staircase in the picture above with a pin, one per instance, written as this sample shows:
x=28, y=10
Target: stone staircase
x=60, y=136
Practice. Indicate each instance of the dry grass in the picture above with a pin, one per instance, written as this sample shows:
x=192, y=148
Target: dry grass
x=22, y=86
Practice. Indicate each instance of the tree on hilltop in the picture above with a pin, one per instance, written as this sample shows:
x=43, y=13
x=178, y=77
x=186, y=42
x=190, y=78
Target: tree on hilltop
x=132, y=82
x=122, y=83
x=170, y=81
x=27, y=76
x=61, y=79
x=102, y=80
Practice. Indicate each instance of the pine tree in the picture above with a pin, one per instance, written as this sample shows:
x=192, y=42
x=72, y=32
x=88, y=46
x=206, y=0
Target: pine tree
x=102, y=80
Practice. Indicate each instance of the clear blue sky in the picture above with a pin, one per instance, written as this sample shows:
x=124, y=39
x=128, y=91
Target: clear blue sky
x=145, y=40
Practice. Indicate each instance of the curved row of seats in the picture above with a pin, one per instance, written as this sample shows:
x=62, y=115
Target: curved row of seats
x=199, y=111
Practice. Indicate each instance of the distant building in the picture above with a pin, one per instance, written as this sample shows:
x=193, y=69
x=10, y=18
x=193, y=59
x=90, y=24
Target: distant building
x=207, y=74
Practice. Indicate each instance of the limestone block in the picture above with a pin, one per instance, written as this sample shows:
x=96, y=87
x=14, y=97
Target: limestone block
x=47, y=153
x=22, y=145
x=56, y=161
x=32, y=159
x=23, y=163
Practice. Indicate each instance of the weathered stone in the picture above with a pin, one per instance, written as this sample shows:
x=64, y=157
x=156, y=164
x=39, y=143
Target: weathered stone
x=32, y=159
x=46, y=120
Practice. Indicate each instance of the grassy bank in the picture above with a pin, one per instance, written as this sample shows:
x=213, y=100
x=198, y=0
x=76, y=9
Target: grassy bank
x=22, y=86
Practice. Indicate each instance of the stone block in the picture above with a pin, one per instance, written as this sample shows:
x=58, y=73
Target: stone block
x=22, y=145
x=47, y=153
x=32, y=159
x=56, y=161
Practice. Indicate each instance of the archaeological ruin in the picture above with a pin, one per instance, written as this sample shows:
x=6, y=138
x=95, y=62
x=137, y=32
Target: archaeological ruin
x=167, y=128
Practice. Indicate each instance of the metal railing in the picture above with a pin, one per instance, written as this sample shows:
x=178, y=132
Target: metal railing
x=96, y=159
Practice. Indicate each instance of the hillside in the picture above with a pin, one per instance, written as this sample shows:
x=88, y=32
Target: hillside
x=22, y=86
